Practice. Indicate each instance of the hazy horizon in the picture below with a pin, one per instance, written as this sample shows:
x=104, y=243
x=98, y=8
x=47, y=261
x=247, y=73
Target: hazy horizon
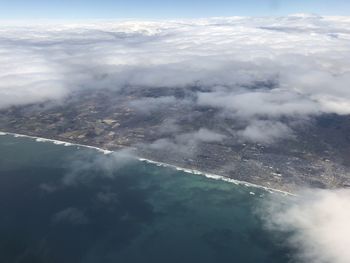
x=156, y=9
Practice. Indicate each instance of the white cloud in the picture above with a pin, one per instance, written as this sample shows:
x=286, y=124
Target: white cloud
x=318, y=221
x=250, y=68
x=186, y=143
x=147, y=105
x=264, y=132
x=81, y=163
x=202, y=135
x=265, y=103
x=70, y=215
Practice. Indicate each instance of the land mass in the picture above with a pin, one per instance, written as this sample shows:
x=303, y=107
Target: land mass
x=317, y=155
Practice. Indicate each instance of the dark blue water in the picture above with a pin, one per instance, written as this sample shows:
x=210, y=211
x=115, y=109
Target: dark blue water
x=64, y=204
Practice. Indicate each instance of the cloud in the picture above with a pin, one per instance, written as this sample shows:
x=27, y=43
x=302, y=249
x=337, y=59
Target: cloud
x=147, y=105
x=186, y=143
x=250, y=69
x=264, y=132
x=70, y=215
x=317, y=223
x=27, y=78
x=85, y=166
x=202, y=135
x=169, y=127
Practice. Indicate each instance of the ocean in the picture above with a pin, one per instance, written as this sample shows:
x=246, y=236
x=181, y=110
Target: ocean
x=75, y=204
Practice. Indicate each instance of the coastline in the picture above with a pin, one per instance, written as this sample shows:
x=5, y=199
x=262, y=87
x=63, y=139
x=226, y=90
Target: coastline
x=186, y=170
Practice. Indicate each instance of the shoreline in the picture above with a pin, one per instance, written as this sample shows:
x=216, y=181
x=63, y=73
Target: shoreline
x=160, y=164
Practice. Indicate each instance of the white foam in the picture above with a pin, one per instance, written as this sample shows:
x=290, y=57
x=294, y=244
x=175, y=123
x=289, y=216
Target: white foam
x=58, y=143
x=277, y=174
x=186, y=170
x=216, y=177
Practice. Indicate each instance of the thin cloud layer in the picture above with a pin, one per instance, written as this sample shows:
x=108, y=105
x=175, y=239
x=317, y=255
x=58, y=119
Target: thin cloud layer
x=81, y=165
x=255, y=70
x=187, y=143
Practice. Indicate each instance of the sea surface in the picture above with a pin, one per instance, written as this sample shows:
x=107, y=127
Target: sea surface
x=72, y=204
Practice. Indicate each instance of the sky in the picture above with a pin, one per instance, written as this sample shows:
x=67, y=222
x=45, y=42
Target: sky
x=116, y=9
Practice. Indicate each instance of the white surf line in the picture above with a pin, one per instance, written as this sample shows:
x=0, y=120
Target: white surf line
x=186, y=170
x=57, y=142
x=216, y=177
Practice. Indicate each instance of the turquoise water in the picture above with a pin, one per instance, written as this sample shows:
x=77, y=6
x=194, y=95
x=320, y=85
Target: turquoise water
x=65, y=204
